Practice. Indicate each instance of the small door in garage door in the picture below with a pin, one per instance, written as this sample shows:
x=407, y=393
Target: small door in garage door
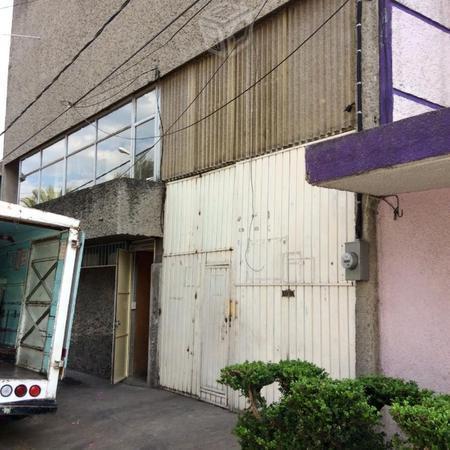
x=122, y=316
x=215, y=320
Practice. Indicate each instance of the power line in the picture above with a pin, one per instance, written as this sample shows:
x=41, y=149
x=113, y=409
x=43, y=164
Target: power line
x=199, y=93
x=140, y=60
x=18, y=4
x=146, y=44
x=259, y=80
x=72, y=61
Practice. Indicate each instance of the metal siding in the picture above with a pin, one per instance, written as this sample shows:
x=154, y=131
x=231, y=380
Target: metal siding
x=284, y=234
x=303, y=100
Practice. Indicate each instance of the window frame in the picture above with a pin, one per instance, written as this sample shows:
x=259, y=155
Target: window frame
x=94, y=123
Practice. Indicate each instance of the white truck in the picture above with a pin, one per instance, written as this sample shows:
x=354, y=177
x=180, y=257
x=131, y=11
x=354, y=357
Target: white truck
x=40, y=259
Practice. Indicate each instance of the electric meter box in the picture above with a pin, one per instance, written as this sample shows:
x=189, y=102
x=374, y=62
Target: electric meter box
x=355, y=261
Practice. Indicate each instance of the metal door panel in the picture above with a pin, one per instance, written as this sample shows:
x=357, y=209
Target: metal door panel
x=39, y=293
x=122, y=316
x=215, y=332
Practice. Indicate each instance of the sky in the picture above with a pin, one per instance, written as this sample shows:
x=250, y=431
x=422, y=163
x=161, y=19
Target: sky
x=5, y=28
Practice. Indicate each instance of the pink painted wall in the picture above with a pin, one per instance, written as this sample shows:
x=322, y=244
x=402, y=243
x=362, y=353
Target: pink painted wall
x=414, y=289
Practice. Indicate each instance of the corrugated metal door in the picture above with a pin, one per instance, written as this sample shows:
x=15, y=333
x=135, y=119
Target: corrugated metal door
x=215, y=323
x=283, y=239
x=122, y=316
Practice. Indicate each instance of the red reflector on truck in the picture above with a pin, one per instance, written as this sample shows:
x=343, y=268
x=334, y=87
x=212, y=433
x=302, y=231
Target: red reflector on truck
x=35, y=391
x=20, y=390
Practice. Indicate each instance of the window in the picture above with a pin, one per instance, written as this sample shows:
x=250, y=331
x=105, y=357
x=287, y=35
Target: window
x=121, y=143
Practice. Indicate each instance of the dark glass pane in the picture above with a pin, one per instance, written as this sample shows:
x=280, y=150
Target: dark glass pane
x=29, y=190
x=145, y=136
x=144, y=167
x=114, y=121
x=52, y=182
x=113, y=156
x=54, y=152
x=146, y=106
x=81, y=138
x=80, y=169
x=31, y=163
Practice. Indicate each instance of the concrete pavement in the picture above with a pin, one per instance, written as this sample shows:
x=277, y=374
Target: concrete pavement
x=92, y=414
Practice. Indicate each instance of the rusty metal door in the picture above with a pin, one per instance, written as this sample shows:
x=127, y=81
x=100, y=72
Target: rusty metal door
x=216, y=319
x=122, y=316
x=36, y=309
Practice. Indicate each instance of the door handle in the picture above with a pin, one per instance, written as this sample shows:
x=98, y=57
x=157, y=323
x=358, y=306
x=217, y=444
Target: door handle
x=117, y=323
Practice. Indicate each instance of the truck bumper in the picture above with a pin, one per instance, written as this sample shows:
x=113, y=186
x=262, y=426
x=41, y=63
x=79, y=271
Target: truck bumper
x=28, y=408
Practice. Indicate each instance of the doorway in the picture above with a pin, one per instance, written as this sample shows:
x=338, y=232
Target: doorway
x=142, y=287
x=216, y=320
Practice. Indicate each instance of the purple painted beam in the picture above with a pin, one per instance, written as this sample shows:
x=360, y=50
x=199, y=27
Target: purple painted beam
x=412, y=139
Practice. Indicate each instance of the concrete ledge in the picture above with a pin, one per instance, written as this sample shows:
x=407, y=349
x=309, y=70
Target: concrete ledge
x=125, y=207
x=348, y=162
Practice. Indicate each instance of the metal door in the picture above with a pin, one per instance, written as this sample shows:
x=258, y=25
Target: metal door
x=122, y=316
x=216, y=316
x=39, y=293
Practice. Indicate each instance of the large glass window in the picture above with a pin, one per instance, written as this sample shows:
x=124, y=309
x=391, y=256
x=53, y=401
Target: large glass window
x=29, y=189
x=81, y=138
x=52, y=182
x=113, y=156
x=80, y=169
x=31, y=163
x=54, y=152
x=121, y=143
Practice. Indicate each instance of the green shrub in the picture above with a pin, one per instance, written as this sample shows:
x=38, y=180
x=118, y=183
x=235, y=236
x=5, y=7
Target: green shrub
x=381, y=391
x=249, y=378
x=316, y=412
x=320, y=413
x=288, y=372
x=426, y=424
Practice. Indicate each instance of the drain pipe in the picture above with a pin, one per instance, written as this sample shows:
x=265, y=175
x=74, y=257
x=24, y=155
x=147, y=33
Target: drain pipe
x=359, y=114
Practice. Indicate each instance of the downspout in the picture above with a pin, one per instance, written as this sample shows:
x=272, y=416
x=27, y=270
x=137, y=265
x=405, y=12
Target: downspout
x=359, y=113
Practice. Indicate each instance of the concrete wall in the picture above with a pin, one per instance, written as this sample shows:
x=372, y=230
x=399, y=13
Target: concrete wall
x=420, y=56
x=65, y=26
x=414, y=286
x=124, y=207
x=91, y=346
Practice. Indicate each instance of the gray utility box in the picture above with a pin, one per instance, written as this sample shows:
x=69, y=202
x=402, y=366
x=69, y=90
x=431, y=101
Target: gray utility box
x=355, y=261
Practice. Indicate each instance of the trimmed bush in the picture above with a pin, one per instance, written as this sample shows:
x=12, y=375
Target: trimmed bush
x=426, y=424
x=316, y=412
x=381, y=391
x=320, y=413
x=288, y=372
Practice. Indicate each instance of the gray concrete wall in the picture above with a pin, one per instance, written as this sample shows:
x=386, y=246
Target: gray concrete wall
x=124, y=207
x=65, y=26
x=367, y=327
x=92, y=333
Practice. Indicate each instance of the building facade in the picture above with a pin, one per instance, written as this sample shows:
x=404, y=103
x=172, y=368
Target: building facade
x=403, y=165
x=186, y=166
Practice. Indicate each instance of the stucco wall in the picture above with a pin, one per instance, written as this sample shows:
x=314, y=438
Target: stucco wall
x=414, y=288
x=65, y=26
x=420, y=56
